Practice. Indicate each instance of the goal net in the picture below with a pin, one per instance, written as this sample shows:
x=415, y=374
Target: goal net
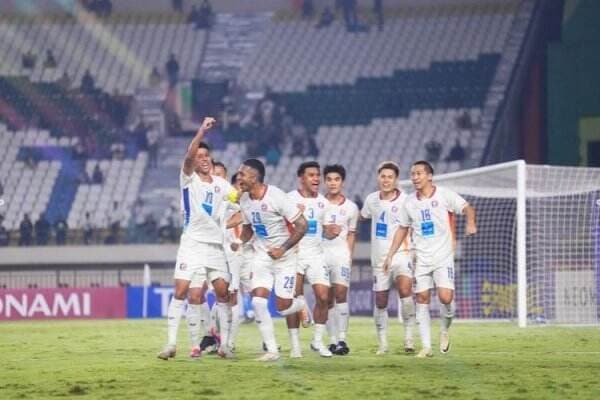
x=536, y=257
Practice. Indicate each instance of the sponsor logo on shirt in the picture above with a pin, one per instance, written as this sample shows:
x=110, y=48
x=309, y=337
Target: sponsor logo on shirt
x=434, y=203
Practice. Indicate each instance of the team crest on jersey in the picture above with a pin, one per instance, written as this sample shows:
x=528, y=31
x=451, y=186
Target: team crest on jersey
x=182, y=266
x=320, y=204
x=394, y=209
x=434, y=203
x=217, y=189
x=264, y=207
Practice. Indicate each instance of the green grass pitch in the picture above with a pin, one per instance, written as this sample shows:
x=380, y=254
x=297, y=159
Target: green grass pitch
x=117, y=360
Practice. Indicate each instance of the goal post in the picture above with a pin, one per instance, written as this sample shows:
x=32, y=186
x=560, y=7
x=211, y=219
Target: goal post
x=536, y=255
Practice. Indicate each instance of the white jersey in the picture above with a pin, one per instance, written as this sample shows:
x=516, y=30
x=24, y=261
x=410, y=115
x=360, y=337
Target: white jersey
x=384, y=216
x=269, y=217
x=346, y=216
x=431, y=220
x=202, y=204
x=314, y=212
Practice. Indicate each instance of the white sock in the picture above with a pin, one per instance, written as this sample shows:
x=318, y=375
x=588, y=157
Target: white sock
x=407, y=306
x=294, y=334
x=446, y=315
x=265, y=323
x=235, y=325
x=318, y=334
x=173, y=317
x=343, y=317
x=297, y=305
x=205, y=318
x=381, y=320
x=224, y=313
x=214, y=319
x=424, y=322
x=332, y=325
x=192, y=317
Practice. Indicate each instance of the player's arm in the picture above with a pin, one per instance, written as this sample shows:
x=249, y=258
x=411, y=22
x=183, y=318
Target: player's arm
x=300, y=225
x=351, y=240
x=234, y=220
x=399, y=238
x=471, y=226
x=331, y=231
x=188, y=162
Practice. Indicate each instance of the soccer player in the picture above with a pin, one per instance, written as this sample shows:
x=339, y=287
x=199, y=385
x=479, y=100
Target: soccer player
x=311, y=259
x=200, y=255
x=341, y=219
x=383, y=208
x=266, y=213
x=428, y=212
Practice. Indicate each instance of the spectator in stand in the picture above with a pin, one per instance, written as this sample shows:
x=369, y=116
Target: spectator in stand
x=139, y=132
x=117, y=150
x=30, y=160
x=28, y=60
x=88, y=228
x=350, y=16
x=60, y=230
x=1, y=189
x=298, y=140
x=50, y=61
x=378, y=11
x=172, y=68
x=155, y=78
x=4, y=233
x=308, y=9
x=87, y=82
x=114, y=216
x=457, y=153
x=326, y=18
x=97, y=175
x=206, y=16
x=463, y=121
x=42, y=230
x=313, y=149
x=26, y=231
x=152, y=137
x=177, y=5
x=273, y=156
x=167, y=232
x=434, y=150
x=65, y=81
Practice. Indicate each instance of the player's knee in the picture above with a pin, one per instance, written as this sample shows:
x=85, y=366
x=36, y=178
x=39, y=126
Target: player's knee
x=283, y=304
x=423, y=298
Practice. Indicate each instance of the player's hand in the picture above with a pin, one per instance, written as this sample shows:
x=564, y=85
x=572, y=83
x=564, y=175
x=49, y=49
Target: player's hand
x=208, y=123
x=276, y=252
x=332, y=231
x=470, y=230
x=386, y=265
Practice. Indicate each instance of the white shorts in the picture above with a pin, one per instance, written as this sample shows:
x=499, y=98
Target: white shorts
x=198, y=261
x=340, y=268
x=279, y=275
x=442, y=276
x=314, y=269
x=401, y=266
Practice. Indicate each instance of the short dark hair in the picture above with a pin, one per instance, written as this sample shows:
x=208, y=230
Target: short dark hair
x=256, y=165
x=389, y=165
x=305, y=165
x=335, y=168
x=219, y=164
x=233, y=178
x=204, y=145
x=426, y=164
